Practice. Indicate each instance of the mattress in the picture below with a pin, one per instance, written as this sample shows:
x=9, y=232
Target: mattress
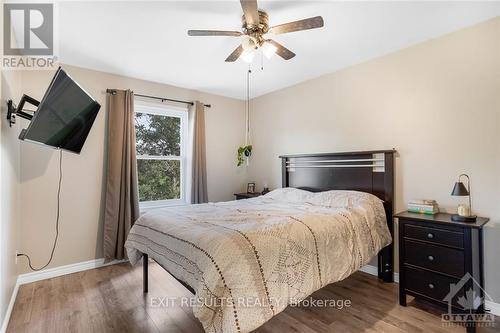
x=247, y=260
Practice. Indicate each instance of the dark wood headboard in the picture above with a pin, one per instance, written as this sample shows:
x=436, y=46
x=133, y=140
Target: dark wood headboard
x=366, y=171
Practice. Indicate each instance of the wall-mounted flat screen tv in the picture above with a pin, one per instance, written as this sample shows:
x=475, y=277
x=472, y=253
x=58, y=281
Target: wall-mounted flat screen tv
x=64, y=117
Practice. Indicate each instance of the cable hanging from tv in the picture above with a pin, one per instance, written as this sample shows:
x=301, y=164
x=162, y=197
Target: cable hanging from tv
x=19, y=111
x=58, y=213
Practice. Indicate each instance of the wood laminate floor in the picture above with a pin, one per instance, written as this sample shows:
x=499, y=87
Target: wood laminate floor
x=110, y=299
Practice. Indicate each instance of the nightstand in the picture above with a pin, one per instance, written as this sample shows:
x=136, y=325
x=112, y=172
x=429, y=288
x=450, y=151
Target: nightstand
x=240, y=196
x=439, y=260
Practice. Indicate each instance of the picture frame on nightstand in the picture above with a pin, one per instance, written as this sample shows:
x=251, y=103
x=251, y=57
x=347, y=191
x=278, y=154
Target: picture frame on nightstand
x=251, y=188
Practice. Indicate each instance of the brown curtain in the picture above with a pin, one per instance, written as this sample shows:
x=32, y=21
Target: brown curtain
x=199, y=162
x=122, y=202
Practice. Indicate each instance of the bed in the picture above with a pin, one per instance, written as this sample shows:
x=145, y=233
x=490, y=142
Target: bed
x=247, y=260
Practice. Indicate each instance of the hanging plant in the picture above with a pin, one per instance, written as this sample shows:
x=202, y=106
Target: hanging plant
x=244, y=152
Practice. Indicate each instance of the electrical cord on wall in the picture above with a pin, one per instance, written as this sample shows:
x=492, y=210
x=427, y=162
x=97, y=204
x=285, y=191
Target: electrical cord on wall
x=57, y=222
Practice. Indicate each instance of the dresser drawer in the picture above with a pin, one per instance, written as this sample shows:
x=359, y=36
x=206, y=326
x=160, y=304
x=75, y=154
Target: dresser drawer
x=437, y=258
x=435, y=235
x=430, y=284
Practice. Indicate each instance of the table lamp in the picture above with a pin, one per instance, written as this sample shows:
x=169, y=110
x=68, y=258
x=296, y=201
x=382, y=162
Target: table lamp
x=464, y=212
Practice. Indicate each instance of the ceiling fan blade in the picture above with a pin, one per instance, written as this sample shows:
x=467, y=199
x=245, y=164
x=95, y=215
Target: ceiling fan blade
x=281, y=50
x=305, y=24
x=214, y=33
x=250, y=11
x=235, y=54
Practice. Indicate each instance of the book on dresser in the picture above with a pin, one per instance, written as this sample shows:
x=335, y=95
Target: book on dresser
x=429, y=207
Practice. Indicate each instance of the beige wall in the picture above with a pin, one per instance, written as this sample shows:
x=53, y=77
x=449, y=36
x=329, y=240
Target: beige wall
x=9, y=186
x=82, y=187
x=437, y=103
x=10, y=190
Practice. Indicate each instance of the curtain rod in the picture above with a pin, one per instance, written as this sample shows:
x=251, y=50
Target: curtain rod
x=112, y=92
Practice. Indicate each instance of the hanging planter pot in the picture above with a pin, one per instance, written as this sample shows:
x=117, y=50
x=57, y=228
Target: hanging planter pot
x=244, y=153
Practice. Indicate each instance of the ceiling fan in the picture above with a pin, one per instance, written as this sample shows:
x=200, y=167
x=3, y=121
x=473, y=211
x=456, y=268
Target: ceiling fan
x=255, y=24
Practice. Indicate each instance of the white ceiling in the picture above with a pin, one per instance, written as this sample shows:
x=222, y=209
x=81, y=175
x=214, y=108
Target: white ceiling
x=148, y=40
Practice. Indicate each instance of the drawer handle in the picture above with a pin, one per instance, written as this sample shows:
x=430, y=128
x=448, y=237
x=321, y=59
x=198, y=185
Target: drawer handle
x=431, y=286
x=431, y=258
x=430, y=235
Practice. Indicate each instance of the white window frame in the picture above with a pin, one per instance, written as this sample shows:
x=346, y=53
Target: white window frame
x=168, y=111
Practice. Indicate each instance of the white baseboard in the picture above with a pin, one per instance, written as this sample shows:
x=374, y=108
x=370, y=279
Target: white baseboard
x=63, y=270
x=373, y=270
x=51, y=273
x=493, y=307
x=5, y=323
x=370, y=269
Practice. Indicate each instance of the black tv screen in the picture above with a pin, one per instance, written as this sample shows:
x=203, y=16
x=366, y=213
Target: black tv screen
x=64, y=117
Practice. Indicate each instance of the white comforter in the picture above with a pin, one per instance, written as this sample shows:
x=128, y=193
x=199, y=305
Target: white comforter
x=248, y=259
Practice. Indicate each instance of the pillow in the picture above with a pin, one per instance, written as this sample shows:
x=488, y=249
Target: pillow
x=289, y=194
x=333, y=198
x=345, y=199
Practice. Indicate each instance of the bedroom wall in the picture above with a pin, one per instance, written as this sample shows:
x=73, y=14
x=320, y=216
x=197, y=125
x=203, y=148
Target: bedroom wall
x=83, y=175
x=437, y=103
x=9, y=191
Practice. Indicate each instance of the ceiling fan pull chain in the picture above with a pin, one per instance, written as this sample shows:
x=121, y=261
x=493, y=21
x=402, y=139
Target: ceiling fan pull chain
x=247, y=137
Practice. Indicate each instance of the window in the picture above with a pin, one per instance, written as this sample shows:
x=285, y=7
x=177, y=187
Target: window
x=161, y=137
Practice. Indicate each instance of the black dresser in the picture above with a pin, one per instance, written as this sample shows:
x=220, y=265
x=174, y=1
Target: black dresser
x=240, y=196
x=439, y=260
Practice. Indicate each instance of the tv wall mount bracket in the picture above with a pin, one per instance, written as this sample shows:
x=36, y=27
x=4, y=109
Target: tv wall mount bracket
x=13, y=111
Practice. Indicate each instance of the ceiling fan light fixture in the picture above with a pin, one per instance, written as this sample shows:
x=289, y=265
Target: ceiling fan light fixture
x=247, y=56
x=257, y=33
x=269, y=50
x=248, y=43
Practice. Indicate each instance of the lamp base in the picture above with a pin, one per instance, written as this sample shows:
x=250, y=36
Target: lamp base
x=459, y=218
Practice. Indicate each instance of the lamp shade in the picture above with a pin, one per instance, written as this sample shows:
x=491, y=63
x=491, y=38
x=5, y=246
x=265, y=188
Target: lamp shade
x=459, y=190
